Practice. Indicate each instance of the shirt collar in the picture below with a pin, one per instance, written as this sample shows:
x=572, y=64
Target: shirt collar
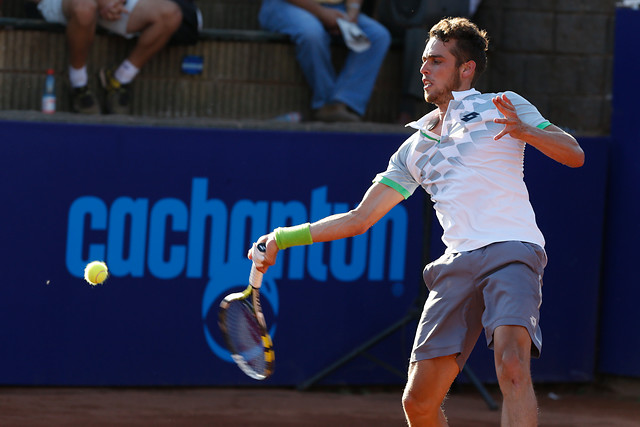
x=457, y=95
x=464, y=93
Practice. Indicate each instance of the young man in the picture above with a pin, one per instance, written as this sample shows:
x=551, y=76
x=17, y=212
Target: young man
x=468, y=155
x=152, y=21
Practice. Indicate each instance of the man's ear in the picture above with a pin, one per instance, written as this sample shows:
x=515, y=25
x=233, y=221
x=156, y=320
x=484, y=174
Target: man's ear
x=468, y=69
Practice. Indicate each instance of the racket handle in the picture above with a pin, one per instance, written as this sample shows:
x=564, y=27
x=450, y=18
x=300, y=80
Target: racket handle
x=255, y=277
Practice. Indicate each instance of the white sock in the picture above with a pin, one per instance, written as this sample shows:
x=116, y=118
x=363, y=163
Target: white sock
x=78, y=76
x=126, y=72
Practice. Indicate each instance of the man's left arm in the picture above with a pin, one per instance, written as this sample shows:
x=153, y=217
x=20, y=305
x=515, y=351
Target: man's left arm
x=551, y=141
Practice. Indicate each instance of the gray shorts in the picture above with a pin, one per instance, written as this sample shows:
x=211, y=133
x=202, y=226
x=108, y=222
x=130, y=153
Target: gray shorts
x=496, y=285
x=51, y=11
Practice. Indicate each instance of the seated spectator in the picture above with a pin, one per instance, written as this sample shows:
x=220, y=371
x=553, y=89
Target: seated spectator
x=336, y=96
x=152, y=21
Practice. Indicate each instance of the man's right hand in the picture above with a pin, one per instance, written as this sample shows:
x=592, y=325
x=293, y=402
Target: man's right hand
x=329, y=18
x=270, y=255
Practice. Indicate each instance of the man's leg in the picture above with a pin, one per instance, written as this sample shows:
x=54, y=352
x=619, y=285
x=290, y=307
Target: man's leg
x=358, y=76
x=156, y=21
x=312, y=43
x=428, y=384
x=512, y=352
x=81, y=19
x=82, y=16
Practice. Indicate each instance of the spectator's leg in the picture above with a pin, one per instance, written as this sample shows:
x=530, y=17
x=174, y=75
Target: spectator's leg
x=81, y=18
x=358, y=76
x=156, y=21
x=313, y=45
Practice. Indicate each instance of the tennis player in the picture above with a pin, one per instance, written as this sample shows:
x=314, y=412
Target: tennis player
x=467, y=154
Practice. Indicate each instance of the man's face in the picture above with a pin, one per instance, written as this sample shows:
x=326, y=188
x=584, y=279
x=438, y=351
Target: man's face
x=440, y=75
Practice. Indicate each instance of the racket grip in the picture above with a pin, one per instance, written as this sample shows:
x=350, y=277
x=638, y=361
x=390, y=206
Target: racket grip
x=255, y=276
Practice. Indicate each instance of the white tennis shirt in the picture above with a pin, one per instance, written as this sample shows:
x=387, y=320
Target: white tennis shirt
x=475, y=182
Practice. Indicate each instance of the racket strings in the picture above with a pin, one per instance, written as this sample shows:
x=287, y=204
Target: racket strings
x=245, y=336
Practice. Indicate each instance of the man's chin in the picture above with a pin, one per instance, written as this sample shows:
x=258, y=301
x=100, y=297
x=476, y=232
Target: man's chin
x=430, y=98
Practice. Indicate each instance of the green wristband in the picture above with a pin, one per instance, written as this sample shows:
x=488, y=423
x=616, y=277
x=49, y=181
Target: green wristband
x=293, y=236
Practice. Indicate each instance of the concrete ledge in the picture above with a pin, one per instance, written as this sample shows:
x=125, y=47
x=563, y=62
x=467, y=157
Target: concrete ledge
x=201, y=122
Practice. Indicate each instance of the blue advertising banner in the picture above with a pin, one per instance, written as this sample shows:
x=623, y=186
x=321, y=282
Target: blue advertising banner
x=620, y=282
x=173, y=213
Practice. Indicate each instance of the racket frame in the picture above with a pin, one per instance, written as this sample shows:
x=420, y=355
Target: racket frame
x=250, y=297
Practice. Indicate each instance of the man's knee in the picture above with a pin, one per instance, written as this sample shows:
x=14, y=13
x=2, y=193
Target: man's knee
x=512, y=367
x=163, y=15
x=417, y=405
x=170, y=15
x=512, y=355
x=381, y=37
x=312, y=35
x=428, y=384
x=82, y=12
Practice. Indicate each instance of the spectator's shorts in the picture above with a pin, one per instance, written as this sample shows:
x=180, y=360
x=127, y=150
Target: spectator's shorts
x=51, y=11
x=496, y=285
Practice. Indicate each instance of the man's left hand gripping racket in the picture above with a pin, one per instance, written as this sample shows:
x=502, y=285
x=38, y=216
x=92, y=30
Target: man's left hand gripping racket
x=244, y=328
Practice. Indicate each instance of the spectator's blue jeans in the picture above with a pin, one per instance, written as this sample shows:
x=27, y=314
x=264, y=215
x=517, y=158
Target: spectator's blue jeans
x=354, y=83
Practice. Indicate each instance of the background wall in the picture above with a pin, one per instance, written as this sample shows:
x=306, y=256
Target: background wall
x=556, y=53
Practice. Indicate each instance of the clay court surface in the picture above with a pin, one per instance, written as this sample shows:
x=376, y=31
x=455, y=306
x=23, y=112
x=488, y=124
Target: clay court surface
x=371, y=407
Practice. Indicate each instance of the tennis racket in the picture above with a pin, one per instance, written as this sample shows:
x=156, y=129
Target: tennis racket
x=244, y=328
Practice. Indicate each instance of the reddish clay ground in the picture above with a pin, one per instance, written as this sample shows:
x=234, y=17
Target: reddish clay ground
x=559, y=406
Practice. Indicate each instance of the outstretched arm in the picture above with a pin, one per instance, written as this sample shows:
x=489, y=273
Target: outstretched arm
x=551, y=141
x=377, y=201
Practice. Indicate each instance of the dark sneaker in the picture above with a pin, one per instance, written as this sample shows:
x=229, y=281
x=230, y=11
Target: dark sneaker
x=83, y=101
x=117, y=95
x=336, y=113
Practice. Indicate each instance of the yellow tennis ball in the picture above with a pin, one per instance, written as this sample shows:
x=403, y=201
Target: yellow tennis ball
x=96, y=272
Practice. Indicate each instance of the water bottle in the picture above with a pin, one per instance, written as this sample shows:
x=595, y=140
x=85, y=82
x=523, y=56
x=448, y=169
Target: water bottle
x=49, y=94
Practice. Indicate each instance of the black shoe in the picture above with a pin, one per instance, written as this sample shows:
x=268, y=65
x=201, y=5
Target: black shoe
x=337, y=112
x=83, y=101
x=118, y=95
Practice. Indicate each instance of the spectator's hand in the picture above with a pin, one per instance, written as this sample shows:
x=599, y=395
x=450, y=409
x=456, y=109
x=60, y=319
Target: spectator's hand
x=112, y=10
x=329, y=18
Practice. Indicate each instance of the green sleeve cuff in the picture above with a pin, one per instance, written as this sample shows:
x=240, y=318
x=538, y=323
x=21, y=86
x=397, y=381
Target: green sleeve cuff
x=544, y=124
x=399, y=188
x=298, y=235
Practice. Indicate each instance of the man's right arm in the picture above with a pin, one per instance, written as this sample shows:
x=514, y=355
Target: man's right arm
x=377, y=201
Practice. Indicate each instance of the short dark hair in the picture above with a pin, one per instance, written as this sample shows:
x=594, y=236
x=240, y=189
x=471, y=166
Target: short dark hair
x=471, y=42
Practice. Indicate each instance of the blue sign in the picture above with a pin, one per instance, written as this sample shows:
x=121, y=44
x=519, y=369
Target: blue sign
x=173, y=213
x=620, y=283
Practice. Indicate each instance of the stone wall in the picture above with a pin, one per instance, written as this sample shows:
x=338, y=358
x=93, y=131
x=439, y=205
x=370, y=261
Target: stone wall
x=556, y=53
